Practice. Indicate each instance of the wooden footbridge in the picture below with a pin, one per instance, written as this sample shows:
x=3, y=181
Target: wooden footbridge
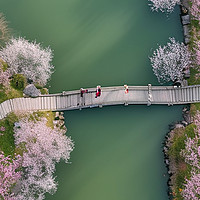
x=70, y=100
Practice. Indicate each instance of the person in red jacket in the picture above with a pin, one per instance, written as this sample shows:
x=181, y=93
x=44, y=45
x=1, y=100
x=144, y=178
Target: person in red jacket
x=98, y=91
x=126, y=89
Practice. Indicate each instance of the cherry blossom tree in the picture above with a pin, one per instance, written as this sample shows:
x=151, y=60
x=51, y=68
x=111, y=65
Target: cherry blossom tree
x=192, y=188
x=191, y=153
x=44, y=147
x=163, y=5
x=4, y=77
x=196, y=48
x=29, y=59
x=8, y=175
x=168, y=62
x=195, y=9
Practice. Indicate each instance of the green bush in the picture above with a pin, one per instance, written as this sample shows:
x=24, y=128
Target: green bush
x=38, y=86
x=189, y=130
x=193, y=80
x=18, y=81
x=3, y=96
x=178, y=143
x=9, y=93
x=44, y=91
x=7, y=144
x=4, y=65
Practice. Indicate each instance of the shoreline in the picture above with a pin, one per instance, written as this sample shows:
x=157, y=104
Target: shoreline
x=179, y=171
x=170, y=162
x=175, y=128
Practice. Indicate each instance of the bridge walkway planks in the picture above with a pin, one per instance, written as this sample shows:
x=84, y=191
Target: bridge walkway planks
x=110, y=96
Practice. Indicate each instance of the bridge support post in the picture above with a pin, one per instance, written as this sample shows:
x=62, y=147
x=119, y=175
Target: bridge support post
x=149, y=95
x=148, y=103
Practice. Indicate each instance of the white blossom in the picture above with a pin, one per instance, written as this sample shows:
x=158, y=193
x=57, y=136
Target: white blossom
x=163, y=5
x=29, y=59
x=168, y=62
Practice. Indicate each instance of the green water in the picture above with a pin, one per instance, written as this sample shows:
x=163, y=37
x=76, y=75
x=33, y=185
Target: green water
x=118, y=154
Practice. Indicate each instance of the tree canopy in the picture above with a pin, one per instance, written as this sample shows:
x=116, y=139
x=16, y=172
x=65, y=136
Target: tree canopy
x=163, y=5
x=29, y=59
x=169, y=61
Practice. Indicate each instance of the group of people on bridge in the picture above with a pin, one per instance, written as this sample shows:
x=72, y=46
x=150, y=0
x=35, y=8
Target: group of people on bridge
x=98, y=91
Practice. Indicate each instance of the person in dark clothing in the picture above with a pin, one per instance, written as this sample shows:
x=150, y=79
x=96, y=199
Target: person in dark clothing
x=82, y=91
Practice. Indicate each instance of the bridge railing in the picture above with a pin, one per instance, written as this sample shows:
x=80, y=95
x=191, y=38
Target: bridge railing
x=110, y=96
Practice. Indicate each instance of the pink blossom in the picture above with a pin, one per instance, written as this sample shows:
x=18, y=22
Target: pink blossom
x=192, y=188
x=191, y=153
x=4, y=77
x=43, y=148
x=8, y=174
x=195, y=9
x=197, y=51
x=2, y=128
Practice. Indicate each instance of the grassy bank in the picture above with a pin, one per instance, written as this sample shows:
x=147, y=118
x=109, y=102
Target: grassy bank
x=7, y=144
x=178, y=168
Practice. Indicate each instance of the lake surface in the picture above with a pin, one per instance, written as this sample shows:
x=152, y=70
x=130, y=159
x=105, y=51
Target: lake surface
x=118, y=150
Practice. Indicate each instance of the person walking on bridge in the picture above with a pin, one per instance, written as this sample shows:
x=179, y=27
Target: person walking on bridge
x=98, y=91
x=126, y=89
x=82, y=91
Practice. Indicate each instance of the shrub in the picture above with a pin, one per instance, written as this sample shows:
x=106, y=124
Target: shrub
x=18, y=81
x=7, y=144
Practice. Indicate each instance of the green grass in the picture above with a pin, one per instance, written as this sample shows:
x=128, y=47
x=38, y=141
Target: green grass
x=183, y=172
x=4, y=65
x=9, y=93
x=189, y=130
x=194, y=79
x=7, y=144
x=3, y=96
x=174, y=153
x=49, y=115
x=194, y=108
x=38, y=86
x=195, y=23
x=178, y=144
x=44, y=91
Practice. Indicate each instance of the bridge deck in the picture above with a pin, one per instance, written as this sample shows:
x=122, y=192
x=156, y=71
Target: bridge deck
x=110, y=96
